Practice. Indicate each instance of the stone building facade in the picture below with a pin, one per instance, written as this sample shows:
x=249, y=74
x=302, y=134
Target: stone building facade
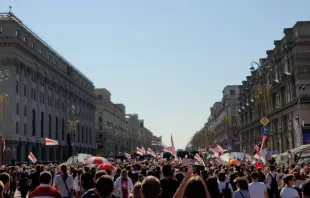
x=279, y=89
x=112, y=134
x=44, y=92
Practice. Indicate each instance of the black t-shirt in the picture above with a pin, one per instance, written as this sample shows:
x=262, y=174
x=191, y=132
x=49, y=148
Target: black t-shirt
x=261, y=177
x=169, y=187
x=35, y=180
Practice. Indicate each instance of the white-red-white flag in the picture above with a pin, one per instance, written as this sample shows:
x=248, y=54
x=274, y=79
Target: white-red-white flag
x=198, y=158
x=167, y=149
x=32, y=158
x=50, y=142
x=139, y=151
x=150, y=152
x=203, y=151
x=144, y=152
x=128, y=156
x=173, y=148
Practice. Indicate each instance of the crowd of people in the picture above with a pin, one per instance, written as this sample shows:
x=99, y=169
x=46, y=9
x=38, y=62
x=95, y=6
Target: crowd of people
x=150, y=179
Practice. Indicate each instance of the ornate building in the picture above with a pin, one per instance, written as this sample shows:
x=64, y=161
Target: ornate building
x=44, y=91
x=279, y=89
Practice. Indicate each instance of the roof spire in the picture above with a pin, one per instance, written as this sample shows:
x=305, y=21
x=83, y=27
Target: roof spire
x=10, y=9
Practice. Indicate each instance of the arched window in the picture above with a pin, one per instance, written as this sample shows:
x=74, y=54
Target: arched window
x=33, y=122
x=42, y=124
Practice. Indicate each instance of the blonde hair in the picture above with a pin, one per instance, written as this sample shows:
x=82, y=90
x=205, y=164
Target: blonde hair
x=1, y=189
x=136, y=190
x=124, y=173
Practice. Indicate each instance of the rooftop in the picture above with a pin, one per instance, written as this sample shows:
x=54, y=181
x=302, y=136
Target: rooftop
x=12, y=17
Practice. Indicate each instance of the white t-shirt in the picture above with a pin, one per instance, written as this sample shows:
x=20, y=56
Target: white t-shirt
x=288, y=192
x=257, y=190
x=61, y=184
x=222, y=185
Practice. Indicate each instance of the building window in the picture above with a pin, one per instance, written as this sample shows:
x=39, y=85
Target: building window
x=90, y=142
x=232, y=92
x=17, y=108
x=86, y=135
x=25, y=39
x=63, y=129
x=17, y=127
x=17, y=86
x=100, y=127
x=1, y=30
x=78, y=132
x=17, y=33
x=34, y=94
x=49, y=126
x=56, y=125
x=48, y=57
x=33, y=122
x=82, y=134
x=25, y=110
x=25, y=129
x=41, y=51
x=25, y=91
x=42, y=124
x=32, y=44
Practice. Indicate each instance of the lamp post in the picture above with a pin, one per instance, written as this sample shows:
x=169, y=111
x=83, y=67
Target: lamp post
x=73, y=124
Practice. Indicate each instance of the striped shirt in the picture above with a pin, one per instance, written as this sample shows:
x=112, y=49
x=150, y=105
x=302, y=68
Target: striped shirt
x=45, y=191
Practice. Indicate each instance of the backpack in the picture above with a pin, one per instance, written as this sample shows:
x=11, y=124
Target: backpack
x=274, y=183
x=226, y=192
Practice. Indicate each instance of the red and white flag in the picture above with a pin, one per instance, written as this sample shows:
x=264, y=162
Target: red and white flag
x=203, y=151
x=128, y=156
x=144, y=152
x=32, y=158
x=219, y=149
x=150, y=152
x=139, y=151
x=50, y=142
x=173, y=148
x=154, y=143
x=198, y=158
x=167, y=149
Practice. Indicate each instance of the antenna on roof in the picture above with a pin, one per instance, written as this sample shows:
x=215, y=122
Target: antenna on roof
x=10, y=9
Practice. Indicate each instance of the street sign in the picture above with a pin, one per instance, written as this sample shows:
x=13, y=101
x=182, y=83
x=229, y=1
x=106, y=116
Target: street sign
x=265, y=130
x=264, y=121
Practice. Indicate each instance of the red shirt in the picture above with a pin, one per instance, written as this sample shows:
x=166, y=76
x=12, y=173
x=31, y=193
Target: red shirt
x=46, y=191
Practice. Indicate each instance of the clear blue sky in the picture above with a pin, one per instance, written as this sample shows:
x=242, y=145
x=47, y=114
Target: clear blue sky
x=167, y=60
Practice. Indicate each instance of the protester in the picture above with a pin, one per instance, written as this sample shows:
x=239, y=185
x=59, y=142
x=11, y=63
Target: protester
x=64, y=182
x=151, y=187
x=123, y=184
x=168, y=184
x=5, y=179
x=45, y=189
x=257, y=189
x=288, y=191
x=243, y=188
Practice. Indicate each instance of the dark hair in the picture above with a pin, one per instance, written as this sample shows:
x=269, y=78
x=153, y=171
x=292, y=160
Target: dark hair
x=242, y=183
x=179, y=177
x=4, y=177
x=288, y=178
x=222, y=177
x=254, y=175
x=105, y=185
x=64, y=170
x=38, y=168
x=213, y=187
x=272, y=167
x=45, y=177
x=306, y=188
x=195, y=188
x=167, y=172
x=100, y=173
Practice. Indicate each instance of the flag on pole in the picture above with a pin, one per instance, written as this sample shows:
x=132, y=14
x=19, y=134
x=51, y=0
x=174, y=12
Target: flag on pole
x=173, y=148
x=128, y=156
x=139, y=151
x=50, y=142
x=203, y=151
x=198, y=158
x=150, y=152
x=167, y=149
x=32, y=158
x=143, y=150
x=154, y=143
